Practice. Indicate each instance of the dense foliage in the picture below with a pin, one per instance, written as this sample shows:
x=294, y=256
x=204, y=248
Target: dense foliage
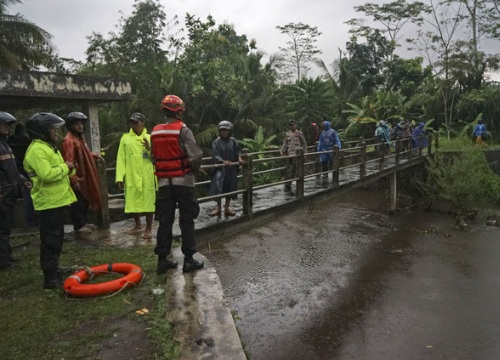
x=222, y=75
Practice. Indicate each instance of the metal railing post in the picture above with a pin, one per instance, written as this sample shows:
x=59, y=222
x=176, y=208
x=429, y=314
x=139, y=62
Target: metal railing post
x=382, y=156
x=362, y=165
x=398, y=151
x=300, y=173
x=103, y=219
x=247, y=182
x=336, y=167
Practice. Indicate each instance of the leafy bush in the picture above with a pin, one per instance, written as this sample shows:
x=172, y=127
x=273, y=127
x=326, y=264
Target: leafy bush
x=462, y=177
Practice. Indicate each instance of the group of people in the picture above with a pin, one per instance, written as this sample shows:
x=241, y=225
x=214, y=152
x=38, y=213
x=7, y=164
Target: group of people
x=295, y=141
x=403, y=130
x=168, y=159
x=53, y=181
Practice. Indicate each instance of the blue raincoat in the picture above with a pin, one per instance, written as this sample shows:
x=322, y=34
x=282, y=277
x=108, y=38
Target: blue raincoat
x=327, y=139
x=419, y=138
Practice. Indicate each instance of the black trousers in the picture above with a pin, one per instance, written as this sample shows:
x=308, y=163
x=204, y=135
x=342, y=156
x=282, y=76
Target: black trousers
x=6, y=211
x=79, y=211
x=51, y=237
x=166, y=201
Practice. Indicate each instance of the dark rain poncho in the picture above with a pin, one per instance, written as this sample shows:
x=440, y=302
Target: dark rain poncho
x=224, y=179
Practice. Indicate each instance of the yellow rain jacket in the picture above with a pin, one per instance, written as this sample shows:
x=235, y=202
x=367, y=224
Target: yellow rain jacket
x=49, y=174
x=135, y=169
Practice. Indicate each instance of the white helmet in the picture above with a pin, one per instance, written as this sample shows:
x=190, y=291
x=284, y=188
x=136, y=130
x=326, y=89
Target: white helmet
x=224, y=124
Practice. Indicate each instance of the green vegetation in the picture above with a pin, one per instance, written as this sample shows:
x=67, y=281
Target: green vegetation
x=461, y=175
x=223, y=75
x=45, y=324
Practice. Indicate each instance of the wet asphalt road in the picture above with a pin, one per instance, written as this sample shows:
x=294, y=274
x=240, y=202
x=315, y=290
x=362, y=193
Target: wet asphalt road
x=343, y=280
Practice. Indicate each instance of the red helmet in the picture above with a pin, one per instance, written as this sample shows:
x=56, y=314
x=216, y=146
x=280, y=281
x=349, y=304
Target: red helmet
x=172, y=103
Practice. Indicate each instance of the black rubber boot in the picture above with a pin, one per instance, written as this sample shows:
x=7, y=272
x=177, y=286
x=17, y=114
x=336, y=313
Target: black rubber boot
x=52, y=281
x=191, y=264
x=164, y=264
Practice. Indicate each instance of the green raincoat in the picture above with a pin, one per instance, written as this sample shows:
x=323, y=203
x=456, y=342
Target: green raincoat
x=49, y=174
x=135, y=169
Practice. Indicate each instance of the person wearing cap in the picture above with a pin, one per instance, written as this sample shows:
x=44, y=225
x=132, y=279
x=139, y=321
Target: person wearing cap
x=10, y=179
x=294, y=140
x=51, y=192
x=225, y=179
x=85, y=181
x=135, y=174
x=177, y=160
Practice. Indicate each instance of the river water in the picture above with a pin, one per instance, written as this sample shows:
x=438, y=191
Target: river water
x=341, y=279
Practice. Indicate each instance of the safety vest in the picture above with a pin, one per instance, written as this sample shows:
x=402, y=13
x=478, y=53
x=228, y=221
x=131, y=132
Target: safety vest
x=170, y=159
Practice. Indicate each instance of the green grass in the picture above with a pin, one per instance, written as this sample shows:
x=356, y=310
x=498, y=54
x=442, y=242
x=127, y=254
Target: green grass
x=45, y=324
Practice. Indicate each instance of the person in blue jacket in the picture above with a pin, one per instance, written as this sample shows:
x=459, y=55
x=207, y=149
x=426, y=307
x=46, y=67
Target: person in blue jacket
x=327, y=140
x=419, y=138
x=479, y=133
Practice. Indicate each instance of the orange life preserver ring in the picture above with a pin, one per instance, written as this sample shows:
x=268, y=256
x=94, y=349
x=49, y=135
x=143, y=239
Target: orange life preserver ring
x=75, y=284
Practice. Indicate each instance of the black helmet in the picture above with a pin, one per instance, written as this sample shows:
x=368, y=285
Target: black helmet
x=137, y=117
x=74, y=117
x=5, y=117
x=39, y=124
x=224, y=124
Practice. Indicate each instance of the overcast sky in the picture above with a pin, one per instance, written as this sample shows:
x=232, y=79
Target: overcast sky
x=70, y=21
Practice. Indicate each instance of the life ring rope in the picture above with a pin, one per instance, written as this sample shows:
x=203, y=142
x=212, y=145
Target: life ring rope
x=76, y=285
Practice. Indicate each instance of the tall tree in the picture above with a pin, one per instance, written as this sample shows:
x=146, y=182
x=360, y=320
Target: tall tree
x=23, y=45
x=343, y=80
x=300, y=50
x=366, y=60
x=137, y=52
x=392, y=16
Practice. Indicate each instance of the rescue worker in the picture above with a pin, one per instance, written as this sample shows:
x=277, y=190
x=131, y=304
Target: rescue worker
x=177, y=158
x=327, y=140
x=51, y=192
x=9, y=190
x=135, y=174
x=294, y=140
x=85, y=182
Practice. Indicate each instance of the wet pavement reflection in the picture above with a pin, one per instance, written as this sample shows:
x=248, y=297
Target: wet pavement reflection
x=340, y=279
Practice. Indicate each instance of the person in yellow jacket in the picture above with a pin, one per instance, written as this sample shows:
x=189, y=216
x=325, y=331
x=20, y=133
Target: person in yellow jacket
x=51, y=192
x=135, y=173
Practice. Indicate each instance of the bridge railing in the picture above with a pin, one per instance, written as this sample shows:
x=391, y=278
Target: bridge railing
x=360, y=155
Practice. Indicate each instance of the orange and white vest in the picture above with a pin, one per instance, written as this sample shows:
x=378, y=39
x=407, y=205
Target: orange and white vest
x=170, y=159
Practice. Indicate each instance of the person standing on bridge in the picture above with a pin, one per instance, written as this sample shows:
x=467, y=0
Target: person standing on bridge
x=327, y=140
x=419, y=137
x=135, y=173
x=383, y=133
x=294, y=141
x=51, y=192
x=85, y=182
x=225, y=179
x=177, y=159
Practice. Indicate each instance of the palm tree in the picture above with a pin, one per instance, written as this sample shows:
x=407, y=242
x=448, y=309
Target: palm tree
x=23, y=45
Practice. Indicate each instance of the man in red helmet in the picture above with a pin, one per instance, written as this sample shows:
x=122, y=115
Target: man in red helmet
x=176, y=158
